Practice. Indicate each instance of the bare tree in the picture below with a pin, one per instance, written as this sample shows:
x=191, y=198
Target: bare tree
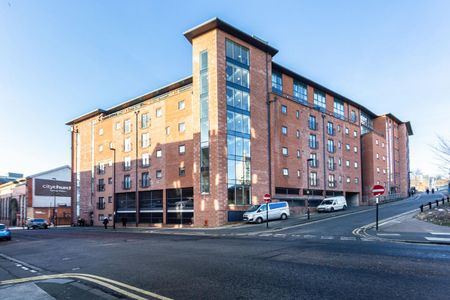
x=442, y=151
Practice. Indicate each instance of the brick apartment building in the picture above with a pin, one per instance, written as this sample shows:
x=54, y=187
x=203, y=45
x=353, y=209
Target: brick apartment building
x=202, y=149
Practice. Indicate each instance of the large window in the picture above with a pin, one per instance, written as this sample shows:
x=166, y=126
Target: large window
x=313, y=144
x=314, y=162
x=312, y=123
x=338, y=107
x=237, y=52
x=330, y=146
x=300, y=92
x=145, y=120
x=238, y=99
x=277, y=82
x=237, y=75
x=319, y=100
x=204, y=123
x=238, y=124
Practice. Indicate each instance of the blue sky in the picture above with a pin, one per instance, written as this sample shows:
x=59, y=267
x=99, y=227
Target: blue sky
x=61, y=59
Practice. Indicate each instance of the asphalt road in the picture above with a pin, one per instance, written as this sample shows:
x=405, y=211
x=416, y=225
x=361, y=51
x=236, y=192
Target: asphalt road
x=241, y=267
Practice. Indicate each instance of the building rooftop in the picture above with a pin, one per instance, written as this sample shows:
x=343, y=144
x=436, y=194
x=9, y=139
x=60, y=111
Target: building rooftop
x=216, y=23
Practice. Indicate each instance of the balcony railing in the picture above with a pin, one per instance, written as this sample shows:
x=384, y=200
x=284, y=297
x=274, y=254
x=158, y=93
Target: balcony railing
x=313, y=182
x=145, y=164
x=126, y=185
x=101, y=205
x=331, y=166
x=313, y=145
x=314, y=163
x=126, y=167
x=331, y=149
x=101, y=187
x=332, y=183
x=144, y=182
x=312, y=125
x=100, y=171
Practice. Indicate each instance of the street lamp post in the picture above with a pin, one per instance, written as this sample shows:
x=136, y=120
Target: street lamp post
x=308, y=161
x=54, y=204
x=111, y=147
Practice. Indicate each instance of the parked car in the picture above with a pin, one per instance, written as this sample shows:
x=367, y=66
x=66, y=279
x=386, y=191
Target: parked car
x=332, y=204
x=37, y=223
x=257, y=213
x=5, y=233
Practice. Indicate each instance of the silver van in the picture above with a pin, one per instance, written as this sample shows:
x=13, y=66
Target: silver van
x=257, y=213
x=332, y=204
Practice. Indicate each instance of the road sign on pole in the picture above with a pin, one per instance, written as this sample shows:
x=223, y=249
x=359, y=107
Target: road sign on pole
x=267, y=200
x=377, y=190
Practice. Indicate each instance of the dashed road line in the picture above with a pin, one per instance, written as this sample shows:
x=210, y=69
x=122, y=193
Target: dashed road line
x=438, y=239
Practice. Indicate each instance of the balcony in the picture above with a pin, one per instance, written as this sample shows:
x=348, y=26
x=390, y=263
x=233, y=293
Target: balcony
x=126, y=166
x=313, y=182
x=331, y=166
x=100, y=171
x=145, y=164
x=331, y=183
x=313, y=145
x=101, y=187
x=312, y=125
x=314, y=163
x=101, y=205
x=126, y=185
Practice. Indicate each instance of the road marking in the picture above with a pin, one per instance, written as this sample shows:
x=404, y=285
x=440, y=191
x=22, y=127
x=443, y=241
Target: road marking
x=388, y=234
x=266, y=234
x=440, y=233
x=437, y=239
x=309, y=236
x=105, y=282
x=279, y=235
x=327, y=237
x=348, y=238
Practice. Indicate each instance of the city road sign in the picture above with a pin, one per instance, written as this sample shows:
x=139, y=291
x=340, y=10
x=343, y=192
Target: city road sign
x=378, y=190
x=267, y=198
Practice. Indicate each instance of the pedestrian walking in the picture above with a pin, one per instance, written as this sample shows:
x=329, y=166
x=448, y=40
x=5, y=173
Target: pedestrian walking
x=124, y=221
x=105, y=222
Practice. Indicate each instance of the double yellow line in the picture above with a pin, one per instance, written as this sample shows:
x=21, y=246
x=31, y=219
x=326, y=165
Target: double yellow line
x=113, y=285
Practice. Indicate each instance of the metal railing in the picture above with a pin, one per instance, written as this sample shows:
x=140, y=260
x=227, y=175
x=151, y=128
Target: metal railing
x=435, y=202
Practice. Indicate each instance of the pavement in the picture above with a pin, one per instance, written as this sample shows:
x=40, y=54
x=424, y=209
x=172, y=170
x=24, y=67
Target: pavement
x=407, y=228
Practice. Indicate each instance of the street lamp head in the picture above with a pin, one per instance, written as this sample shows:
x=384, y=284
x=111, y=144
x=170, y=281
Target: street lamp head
x=111, y=147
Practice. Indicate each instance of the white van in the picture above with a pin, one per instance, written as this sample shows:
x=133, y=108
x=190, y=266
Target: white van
x=257, y=213
x=332, y=204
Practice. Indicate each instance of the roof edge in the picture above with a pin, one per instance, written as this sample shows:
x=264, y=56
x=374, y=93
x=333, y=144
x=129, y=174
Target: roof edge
x=216, y=23
x=48, y=171
x=287, y=71
x=174, y=85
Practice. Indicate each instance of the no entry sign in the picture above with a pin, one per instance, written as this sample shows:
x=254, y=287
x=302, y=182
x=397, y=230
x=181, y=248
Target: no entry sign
x=267, y=198
x=378, y=190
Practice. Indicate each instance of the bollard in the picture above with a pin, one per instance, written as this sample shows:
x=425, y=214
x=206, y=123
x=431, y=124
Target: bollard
x=437, y=203
x=421, y=208
x=429, y=205
x=308, y=213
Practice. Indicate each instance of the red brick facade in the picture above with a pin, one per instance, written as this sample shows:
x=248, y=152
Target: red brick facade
x=95, y=133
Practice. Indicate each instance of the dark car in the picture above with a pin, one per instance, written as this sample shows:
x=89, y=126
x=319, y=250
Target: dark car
x=37, y=223
x=5, y=233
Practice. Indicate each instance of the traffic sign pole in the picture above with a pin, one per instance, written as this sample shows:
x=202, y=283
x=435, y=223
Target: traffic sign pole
x=376, y=226
x=267, y=200
x=377, y=190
